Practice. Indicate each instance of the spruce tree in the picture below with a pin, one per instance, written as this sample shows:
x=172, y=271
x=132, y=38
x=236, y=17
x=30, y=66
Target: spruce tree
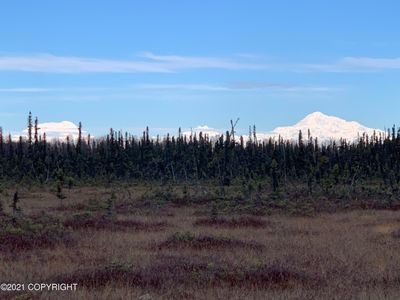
x=30, y=126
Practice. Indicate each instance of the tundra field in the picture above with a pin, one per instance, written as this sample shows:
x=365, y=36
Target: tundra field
x=145, y=241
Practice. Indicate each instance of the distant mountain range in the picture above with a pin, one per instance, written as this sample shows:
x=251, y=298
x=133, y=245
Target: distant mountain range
x=321, y=126
x=325, y=128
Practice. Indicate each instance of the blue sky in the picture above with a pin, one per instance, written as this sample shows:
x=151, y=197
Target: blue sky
x=165, y=64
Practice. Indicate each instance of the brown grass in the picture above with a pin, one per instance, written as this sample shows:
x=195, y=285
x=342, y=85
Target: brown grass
x=190, y=271
x=22, y=235
x=347, y=255
x=206, y=242
x=82, y=221
x=23, y=242
x=243, y=221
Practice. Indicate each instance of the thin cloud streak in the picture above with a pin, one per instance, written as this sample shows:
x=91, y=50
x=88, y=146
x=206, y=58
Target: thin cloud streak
x=25, y=90
x=228, y=87
x=351, y=65
x=148, y=63
x=164, y=92
x=238, y=86
x=371, y=63
x=186, y=87
x=198, y=62
x=47, y=63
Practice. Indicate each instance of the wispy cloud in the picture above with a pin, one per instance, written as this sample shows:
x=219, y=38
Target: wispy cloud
x=239, y=86
x=25, y=90
x=60, y=64
x=183, y=87
x=145, y=63
x=148, y=62
x=352, y=64
x=199, y=62
x=257, y=85
x=371, y=63
x=162, y=92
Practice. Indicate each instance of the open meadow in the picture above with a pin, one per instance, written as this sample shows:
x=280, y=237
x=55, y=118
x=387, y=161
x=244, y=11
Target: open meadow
x=138, y=243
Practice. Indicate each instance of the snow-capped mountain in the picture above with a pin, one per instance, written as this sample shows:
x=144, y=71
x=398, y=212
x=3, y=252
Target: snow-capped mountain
x=57, y=130
x=205, y=130
x=323, y=127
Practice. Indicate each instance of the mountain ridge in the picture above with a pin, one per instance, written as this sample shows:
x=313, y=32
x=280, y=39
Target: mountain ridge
x=324, y=127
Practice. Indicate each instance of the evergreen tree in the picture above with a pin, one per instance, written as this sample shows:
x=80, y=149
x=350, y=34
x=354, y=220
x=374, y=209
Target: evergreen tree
x=30, y=126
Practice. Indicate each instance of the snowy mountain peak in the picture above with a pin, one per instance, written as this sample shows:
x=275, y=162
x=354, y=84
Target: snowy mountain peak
x=205, y=130
x=57, y=130
x=323, y=127
x=317, y=117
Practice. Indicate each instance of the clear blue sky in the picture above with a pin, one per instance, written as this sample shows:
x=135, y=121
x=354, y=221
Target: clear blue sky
x=128, y=64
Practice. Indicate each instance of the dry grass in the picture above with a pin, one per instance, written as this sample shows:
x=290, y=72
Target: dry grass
x=31, y=233
x=173, y=253
x=205, y=242
x=243, y=221
x=190, y=271
x=85, y=220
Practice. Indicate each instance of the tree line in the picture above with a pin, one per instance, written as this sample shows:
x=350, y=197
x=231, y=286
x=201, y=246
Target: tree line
x=121, y=156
